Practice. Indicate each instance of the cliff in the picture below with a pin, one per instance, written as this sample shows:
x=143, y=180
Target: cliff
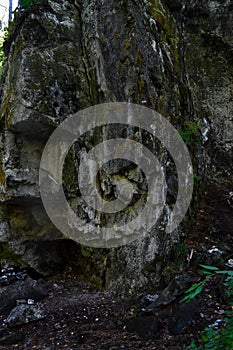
x=64, y=57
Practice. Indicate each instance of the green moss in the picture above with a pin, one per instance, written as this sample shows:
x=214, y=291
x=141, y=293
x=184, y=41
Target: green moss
x=161, y=105
x=196, y=178
x=18, y=221
x=168, y=30
x=21, y=221
x=139, y=57
x=91, y=85
x=90, y=264
x=87, y=252
x=7, y=256
x=2, y=56
x=9, y=119
x=180, y=250
x=96, y=281
x=2, y=174
x=179, y=254
x=101, y=39
x=25, y=4
x=70, y=179
x=142, y=85
x=127, y=44
x=167, y=272
x=6, y=103
x=6, y=110
x=189, y=132
x=162, y=17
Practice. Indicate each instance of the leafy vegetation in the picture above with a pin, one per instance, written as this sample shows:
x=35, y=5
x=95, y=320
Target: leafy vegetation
x=196, y=178
x=190, y=129
x=2, y=56
x=23, y=4
x=212, y=337
x=28, y=3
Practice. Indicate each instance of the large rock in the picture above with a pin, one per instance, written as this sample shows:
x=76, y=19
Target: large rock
x=209, y=63
x=26, y=289
x=23, y=314
x=65, y=56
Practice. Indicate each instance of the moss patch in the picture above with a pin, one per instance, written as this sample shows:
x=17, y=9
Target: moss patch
x=2, y=174
x=7, y=256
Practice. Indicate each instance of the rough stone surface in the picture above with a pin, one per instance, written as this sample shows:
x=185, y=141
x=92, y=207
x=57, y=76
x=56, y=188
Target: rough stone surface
x=208, y=57
x=174, y=289
x=23, y=314
x=65, y=56
x=27, y=289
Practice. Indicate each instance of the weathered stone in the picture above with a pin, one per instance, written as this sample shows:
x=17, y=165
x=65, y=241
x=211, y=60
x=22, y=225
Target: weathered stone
x=4, y=231
x=208, y=58
x=170, y=293
x=23, y=314
x=27, y=289
x=65, y=56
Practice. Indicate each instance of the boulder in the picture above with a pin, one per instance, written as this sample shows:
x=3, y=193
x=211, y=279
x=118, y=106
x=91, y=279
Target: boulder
x=24, y=314
x=26, y=289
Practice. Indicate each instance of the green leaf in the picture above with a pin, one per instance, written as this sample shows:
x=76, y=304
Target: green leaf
x=227, y=272
x=208, y=273
x=193, y=291
x=193, y=287
x=211, y=268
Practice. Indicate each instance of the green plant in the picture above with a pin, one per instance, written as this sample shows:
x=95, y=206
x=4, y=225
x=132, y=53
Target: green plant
x=28, y=3
x=196, y=178
x=180, y=250
x=211, y=338
x=23, y=4
x=2, y=56
x=209, y=271
x=190, y=130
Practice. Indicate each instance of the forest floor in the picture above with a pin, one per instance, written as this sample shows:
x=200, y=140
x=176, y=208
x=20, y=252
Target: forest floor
x=80, y=317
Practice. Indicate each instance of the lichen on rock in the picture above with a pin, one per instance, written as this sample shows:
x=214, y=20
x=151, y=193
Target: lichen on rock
x=65, y=56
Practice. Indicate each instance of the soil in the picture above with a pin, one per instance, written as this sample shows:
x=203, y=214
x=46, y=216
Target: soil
x=80, y=317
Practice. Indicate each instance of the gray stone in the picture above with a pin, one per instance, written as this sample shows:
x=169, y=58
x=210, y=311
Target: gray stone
x=4, y=231
x=62, y=58
x=209, y=66
x=170, y=293
x=26, y=289
x=66, y=56
x=23, y=314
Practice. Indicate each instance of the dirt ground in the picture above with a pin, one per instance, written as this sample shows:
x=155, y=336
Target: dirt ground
x=79, y=317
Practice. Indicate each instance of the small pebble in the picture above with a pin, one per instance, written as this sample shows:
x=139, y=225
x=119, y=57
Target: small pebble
x=57, y=326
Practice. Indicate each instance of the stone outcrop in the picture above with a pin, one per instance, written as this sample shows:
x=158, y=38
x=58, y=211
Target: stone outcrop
x=208, y=38
x=65, y=56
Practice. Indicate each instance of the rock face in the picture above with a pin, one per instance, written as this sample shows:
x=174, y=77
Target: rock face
x=64, y=57
x=209, y=63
